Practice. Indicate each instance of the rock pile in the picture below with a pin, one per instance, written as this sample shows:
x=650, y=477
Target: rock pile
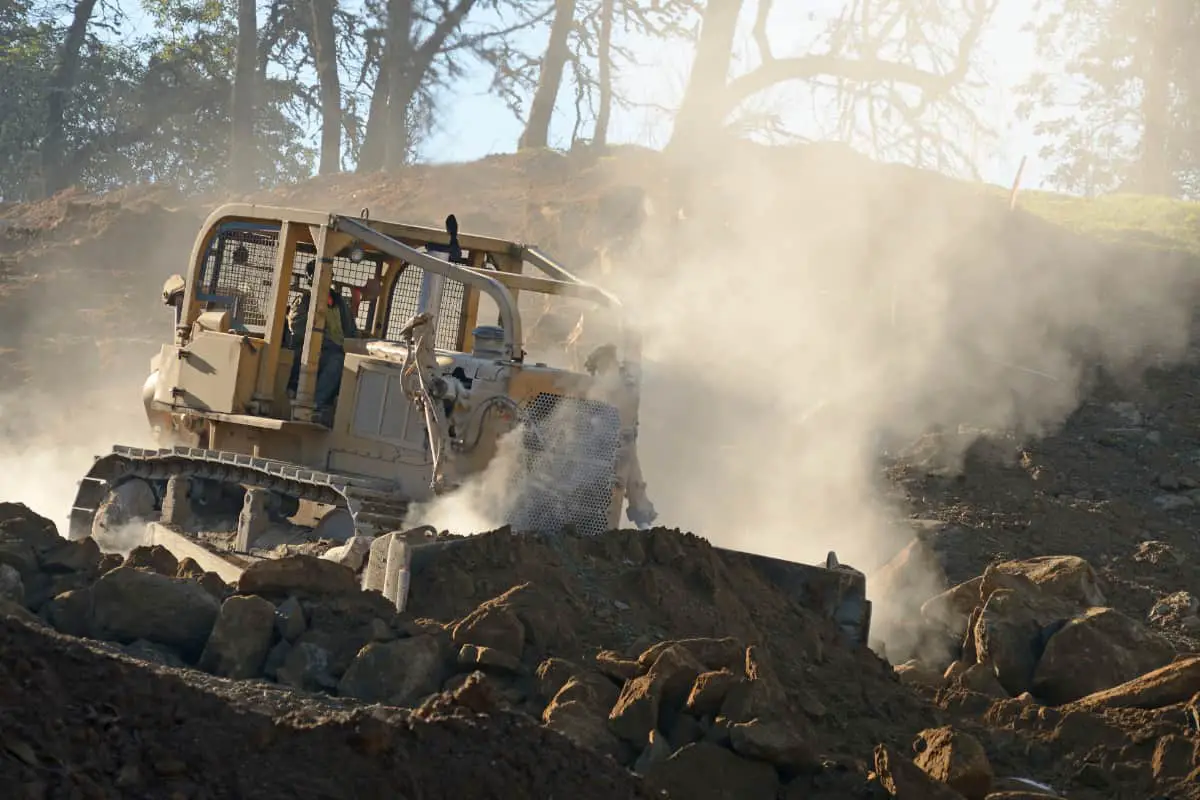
x=678, y=670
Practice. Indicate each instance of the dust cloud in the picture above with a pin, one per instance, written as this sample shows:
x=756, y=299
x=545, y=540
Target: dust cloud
x=806, y=313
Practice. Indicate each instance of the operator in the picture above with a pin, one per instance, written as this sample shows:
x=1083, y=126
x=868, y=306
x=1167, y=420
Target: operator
x=603, y=362
x=339, y=325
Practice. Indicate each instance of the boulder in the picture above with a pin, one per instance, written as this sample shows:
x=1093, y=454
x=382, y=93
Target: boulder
x=11, y=610
x=709, y=691
x=130, y=604
x=914, y=673
x=290, y=620
x=776, y=742
x=299, y=574
x=981, y=678
x=705, y=771
x=400, y=673
x=1177, y=682
x=1097, y=650
x=189, y=568
x=614, y=666
x=1069, y=578
x=82, y=555
x=951, y=610
x=18, y=523
x=491, y=625
x=761, y=695
x=353, y=554
x=579, y=710
x=473, y=656
x=956, y=759
x=1175, y=757
x=637, y=708
x=70, y=612
x=907, y=581
x=154, y=558
x=12, y=588
x=656, y=751
x=305, y=665
x=904, y=780
x=715, y=654
x=240, y=639
x=553, y=673
x=1007, y=635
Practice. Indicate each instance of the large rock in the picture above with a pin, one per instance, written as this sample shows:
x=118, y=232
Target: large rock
x=492, y=625
x=709, y=692
x=705, y=771
x=12, y=588
x=775, y=741
x=77, y=556
x=1175, y=683
x=1097, y=650
x=904, y=780
x=956, y=759
x=579, y=711
x=24, y=534
x=951, y=610
x=240, y=639
x=1069, y=578
x=353, y=554
x=130, y=604
x=760, y=696
x=715, y=654
x=1008, y=635
x=154, y=558
x=299, y=574
x=637, y=709
x=400, y=673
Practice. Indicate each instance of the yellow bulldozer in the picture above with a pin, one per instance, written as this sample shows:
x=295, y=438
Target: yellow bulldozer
x=280, y=429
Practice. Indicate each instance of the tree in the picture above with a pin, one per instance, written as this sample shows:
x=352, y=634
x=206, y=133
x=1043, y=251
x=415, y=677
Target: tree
x=324, y=47
x=1120, y=95
x=550, y=75
x=895, y=76
x=61, y=86
x=241, y=137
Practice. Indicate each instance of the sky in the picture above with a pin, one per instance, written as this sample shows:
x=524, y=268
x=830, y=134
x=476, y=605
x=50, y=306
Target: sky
x=474, y=124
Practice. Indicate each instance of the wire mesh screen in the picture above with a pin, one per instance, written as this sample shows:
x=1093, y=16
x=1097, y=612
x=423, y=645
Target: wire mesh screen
x=238, y=273
x=406, y=293
x=567, y=466
x=345, y=272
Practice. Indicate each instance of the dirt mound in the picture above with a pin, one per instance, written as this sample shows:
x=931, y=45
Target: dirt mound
x=79, y=722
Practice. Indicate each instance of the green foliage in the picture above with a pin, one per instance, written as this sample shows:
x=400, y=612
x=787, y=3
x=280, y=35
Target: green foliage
x=1094, y=101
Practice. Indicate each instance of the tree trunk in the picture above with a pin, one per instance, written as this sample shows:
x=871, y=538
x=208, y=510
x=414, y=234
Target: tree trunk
x=400, y=66
x=56, y=174
x=541, y=111
x=699, y=113
x=241, y=140
x=604, y=114
x=325, y=56
x=370, y=156
x=1155, y=174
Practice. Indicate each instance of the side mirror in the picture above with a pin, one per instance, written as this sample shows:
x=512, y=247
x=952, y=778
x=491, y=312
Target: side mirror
x=172, y=291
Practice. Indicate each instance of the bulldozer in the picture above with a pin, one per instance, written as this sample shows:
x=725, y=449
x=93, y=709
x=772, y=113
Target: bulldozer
x=439, y=391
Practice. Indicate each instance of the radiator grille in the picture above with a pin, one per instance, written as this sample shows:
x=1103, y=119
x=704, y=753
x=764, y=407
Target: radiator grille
x=566, y=467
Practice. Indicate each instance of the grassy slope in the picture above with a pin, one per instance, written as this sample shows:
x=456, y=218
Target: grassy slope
x=1154, y=222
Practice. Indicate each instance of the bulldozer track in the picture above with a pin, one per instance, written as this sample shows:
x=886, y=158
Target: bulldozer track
x=372, y=503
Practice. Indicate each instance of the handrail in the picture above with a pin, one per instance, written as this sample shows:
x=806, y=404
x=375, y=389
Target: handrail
x=509, y=320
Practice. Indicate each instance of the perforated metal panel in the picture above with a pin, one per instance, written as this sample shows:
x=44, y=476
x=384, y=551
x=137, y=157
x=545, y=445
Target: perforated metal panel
x=241, y=284
x=566, y=467
x=406, y=293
